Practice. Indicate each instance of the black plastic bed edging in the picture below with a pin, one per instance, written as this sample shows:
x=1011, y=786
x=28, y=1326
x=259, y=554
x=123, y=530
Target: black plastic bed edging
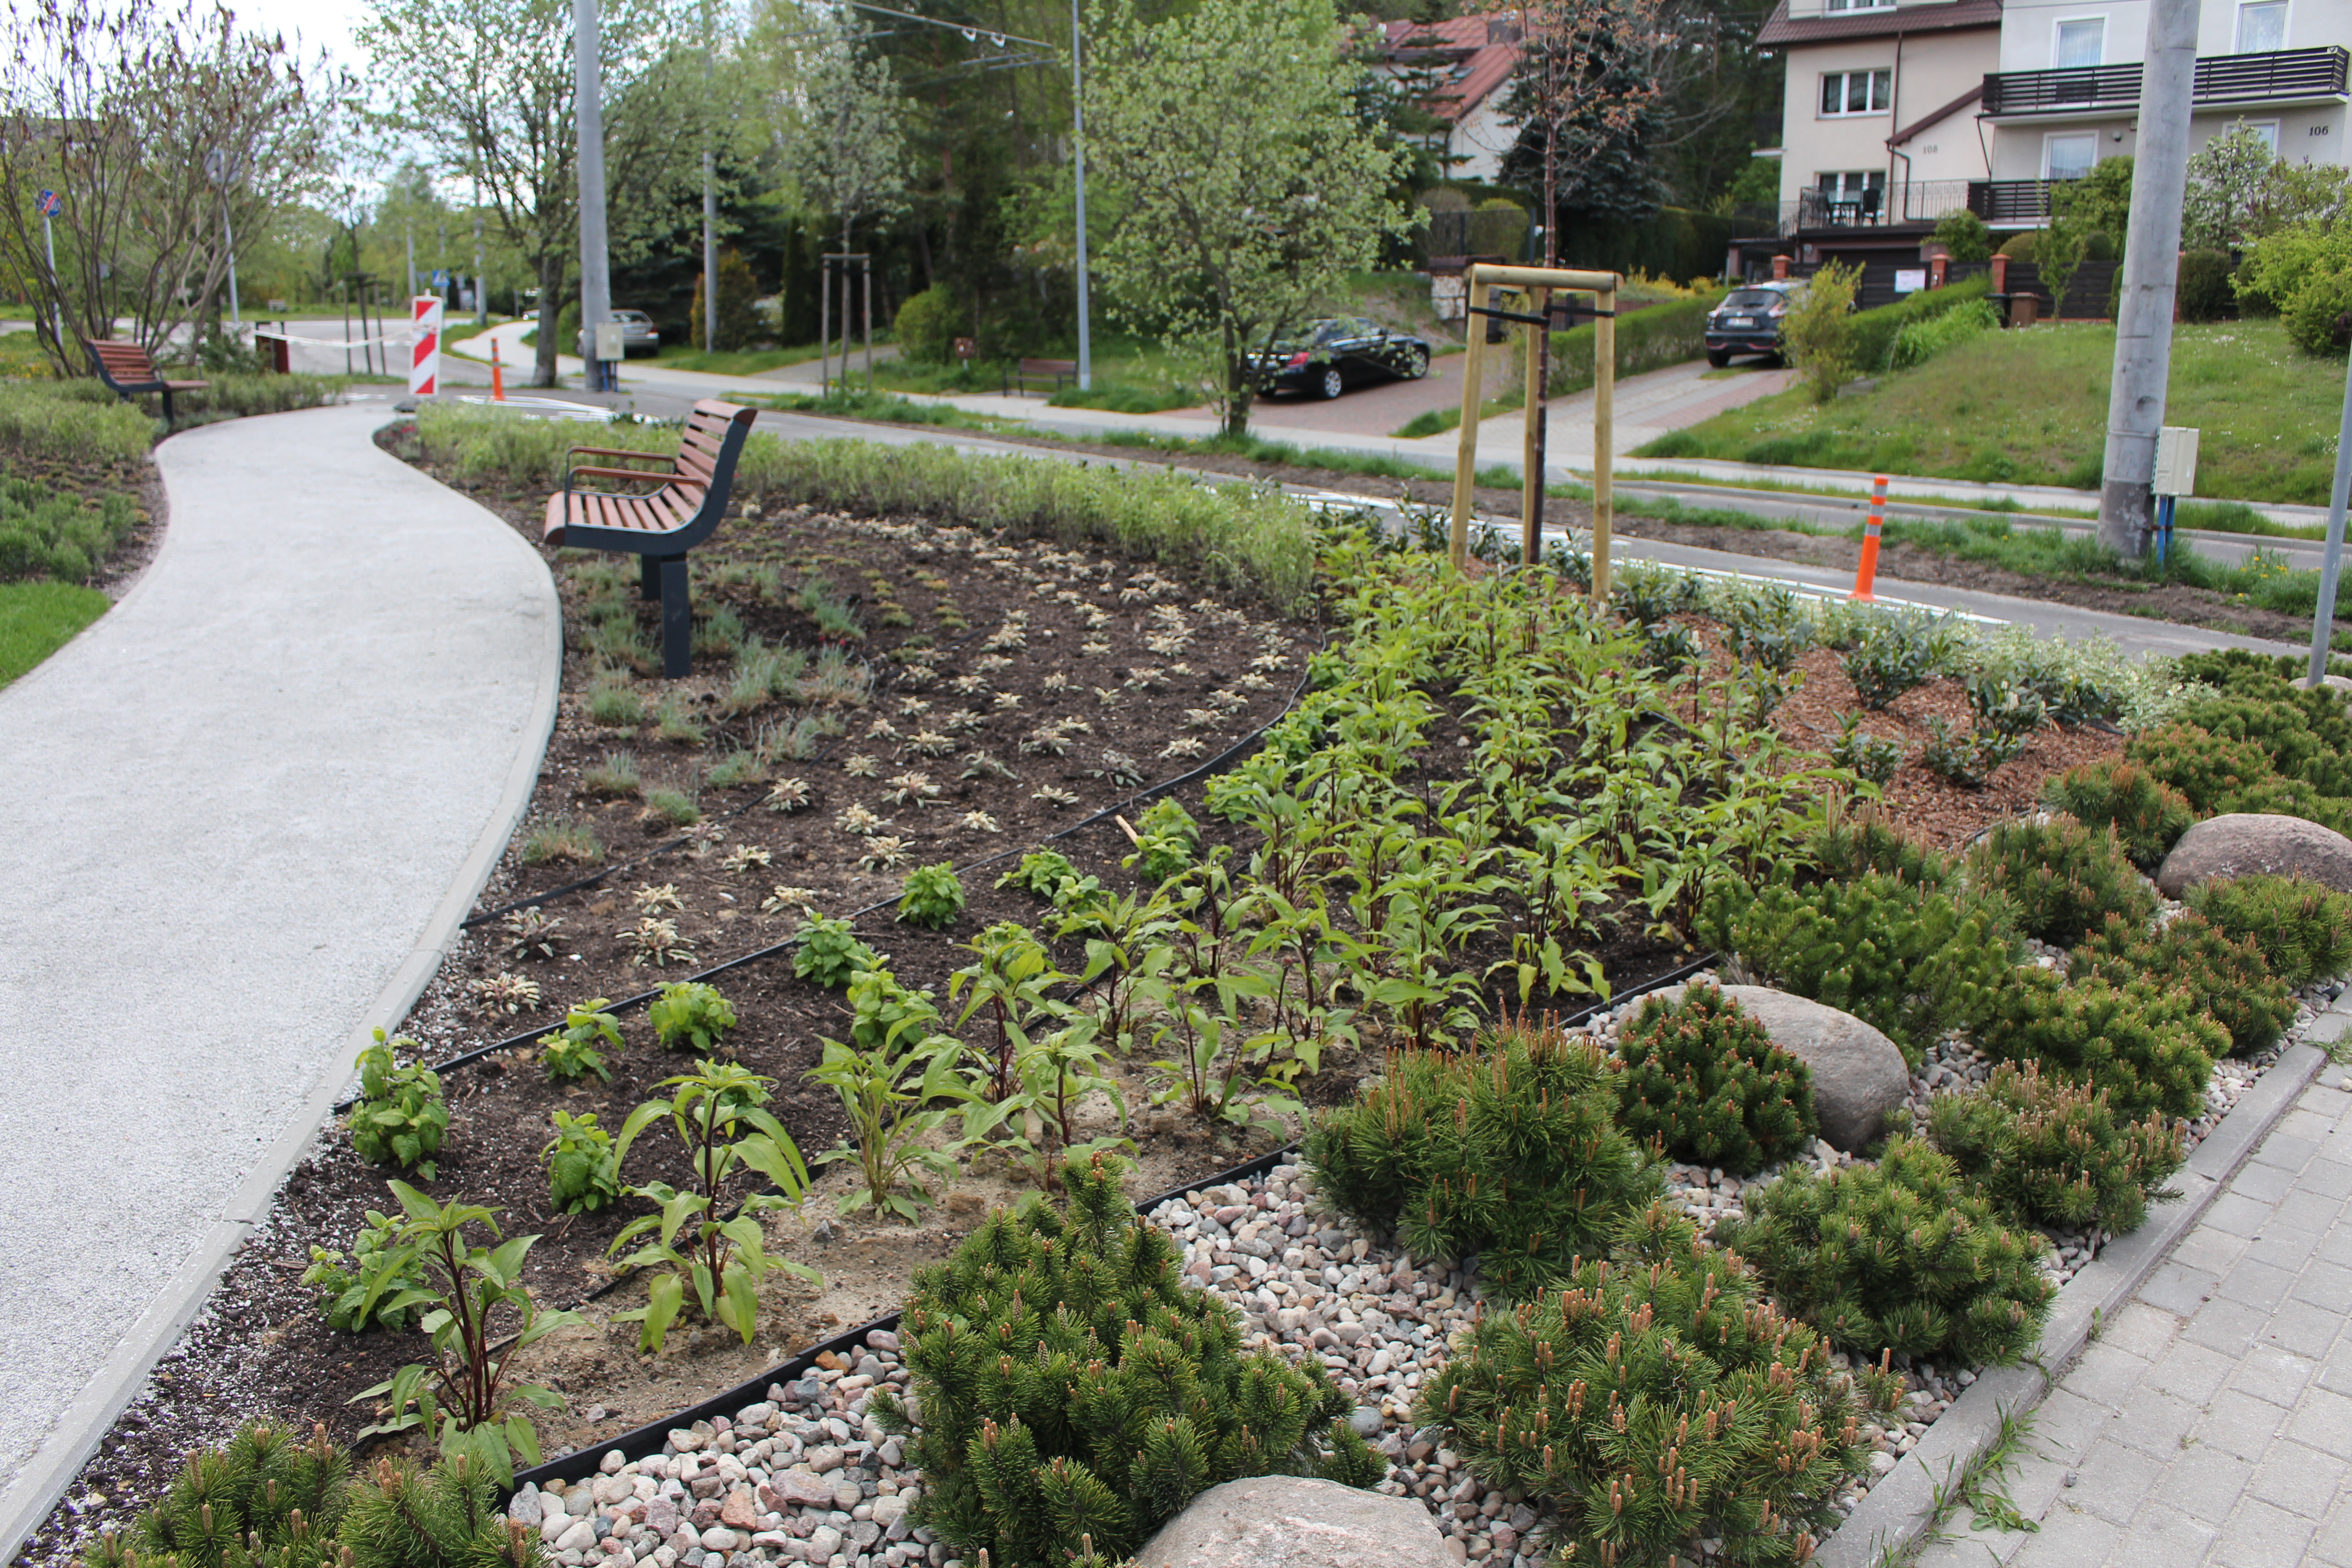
x=649, y=1438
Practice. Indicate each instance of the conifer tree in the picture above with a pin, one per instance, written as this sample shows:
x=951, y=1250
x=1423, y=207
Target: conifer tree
x=1706, y=1078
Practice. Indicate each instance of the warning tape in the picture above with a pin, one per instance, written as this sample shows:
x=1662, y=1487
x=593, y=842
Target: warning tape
x=387, y=338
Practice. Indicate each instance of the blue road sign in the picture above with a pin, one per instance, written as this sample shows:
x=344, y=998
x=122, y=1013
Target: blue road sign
x=50, y=203
x=440, y=277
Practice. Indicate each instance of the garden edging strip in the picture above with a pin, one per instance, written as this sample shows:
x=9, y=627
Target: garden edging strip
x=85, y=1422
x=1900, y=1511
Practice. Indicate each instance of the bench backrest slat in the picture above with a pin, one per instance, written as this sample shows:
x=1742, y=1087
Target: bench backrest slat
x=122, y=362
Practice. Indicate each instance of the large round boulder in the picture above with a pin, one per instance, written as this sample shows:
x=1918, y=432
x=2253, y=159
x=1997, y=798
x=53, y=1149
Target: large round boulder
x=1296, y=1522
x=2244, y=843
x=1859, y=1075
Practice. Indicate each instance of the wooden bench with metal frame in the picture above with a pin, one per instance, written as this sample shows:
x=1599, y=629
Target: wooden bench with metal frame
x=1060, y=373
x=661, y=525
x=128, y=371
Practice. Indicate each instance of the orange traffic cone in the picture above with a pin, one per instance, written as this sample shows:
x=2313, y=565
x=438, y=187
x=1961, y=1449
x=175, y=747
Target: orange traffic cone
x=498, y=375
x=1867, y=575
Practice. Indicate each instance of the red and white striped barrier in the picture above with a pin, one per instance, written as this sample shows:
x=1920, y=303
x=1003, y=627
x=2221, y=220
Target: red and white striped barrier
x=424, y=348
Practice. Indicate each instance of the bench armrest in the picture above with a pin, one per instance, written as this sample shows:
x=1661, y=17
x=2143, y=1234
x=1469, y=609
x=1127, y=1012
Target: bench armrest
x=580, y=473
x=571, y=452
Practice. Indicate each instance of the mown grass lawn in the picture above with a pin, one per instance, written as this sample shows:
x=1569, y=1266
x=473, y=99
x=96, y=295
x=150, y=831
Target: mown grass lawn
x=2031, y=407
x=40, y=617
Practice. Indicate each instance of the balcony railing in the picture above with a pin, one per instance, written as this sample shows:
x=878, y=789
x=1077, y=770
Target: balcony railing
x=1911, y=201
x=2221, y=78
x=2000, y=202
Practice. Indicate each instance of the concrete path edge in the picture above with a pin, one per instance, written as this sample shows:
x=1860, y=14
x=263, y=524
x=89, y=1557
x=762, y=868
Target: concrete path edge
x=1897, y=1515
x=44, y=1481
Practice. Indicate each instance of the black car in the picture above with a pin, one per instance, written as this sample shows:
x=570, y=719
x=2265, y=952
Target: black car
x=1328, y=356
x=1748, y=322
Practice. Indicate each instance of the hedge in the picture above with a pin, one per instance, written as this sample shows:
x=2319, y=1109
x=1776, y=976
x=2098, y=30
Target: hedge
x=1648, y=339
x=1874, y=331
x=1678, y=243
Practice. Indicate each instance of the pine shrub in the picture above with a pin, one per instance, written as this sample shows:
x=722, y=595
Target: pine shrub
x=1656, y=1398
x=2064, y=877
x=2052, y=1151
x=1902, y=1256
x=1851, y=844
x=445, y=1517
x=1909, y=960
x=1705, y=1078
x=1510, y=1151
x=2146, y=1045
x=2205, y=769
x=2147, y=814
x=2227, y=977
x=1071, y=1386
x=2303, y=930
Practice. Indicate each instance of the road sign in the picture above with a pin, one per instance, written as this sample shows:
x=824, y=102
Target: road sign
x=50, y=203
x=440, y=277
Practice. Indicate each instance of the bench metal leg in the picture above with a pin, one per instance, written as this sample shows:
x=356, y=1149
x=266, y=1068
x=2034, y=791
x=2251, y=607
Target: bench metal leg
x=649, y=582
x=678, y=624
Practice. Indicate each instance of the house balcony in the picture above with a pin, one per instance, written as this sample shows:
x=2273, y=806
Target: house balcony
x=2275, y=76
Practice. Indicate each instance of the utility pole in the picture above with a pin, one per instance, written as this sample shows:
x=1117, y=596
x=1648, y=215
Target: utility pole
x=2151, y=257
x=481, y=289
x=709, y=209
x=1078, y=153
x=408, y=239
x=595, y=274
x=2323, y=620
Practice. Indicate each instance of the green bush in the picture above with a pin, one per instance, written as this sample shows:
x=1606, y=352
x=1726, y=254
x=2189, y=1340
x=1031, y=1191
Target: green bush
x=1849, y=845
x=2305, y=274
x=2204, y=771
x=1657, y=1399
x=690, y=1017
x=1511, y=1152
x=2227, y=977
x=71, y=421
x=931, y=897
x=2201, y=289
x=401, y=1114
x=926, y=326
x=1040, y=872
x=2144, y=1044
x=1964, y=235
x=1916, y=342
x=1072, y=1387
x=1705, y=1078
x=1876, y=330
x=342, y=1283
x=1910, y=962
x=584, y=1164
x=2054, y=1152
x=44, y=533
x=2021, y=246
x=2303, y=930
x=1166, y=840
x=828, y=952
x=1902, y=1256
x=2063, y=876
x=1818, y=333
x=2147, y=814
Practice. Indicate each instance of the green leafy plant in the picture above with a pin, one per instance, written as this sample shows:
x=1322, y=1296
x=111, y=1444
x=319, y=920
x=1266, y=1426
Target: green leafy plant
x=571, y=1053
x=401, y=1115
x=2064, y=876
x=1872, y=757
x=479, y=1318
x=1040, y=872
x=2148, y=1045
x=1510, y=1151
x=583, y=1166
x=2303, y=930
x=892, y=1076
x=1075, y=1395
x=1819, y=332
x=828, y=954
x=1008, y=979
x=1167, y=840
x=2227, y=977
x=2147, y=814
x=2052, y=1151
x=1893, y=656
x=1705, y=1078
x=1902, y=1256
x=1656, y=1398
x=343, y=1284
x=723, y=1261
x=931, y=897
x=1967, y=760
x=690, y=1017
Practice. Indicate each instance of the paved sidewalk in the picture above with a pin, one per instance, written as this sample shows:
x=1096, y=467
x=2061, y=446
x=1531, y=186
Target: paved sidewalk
x=246, y=806
x=2212, y=1421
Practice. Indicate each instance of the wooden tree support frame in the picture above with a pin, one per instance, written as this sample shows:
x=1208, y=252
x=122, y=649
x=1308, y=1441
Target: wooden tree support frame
x=1539, y=283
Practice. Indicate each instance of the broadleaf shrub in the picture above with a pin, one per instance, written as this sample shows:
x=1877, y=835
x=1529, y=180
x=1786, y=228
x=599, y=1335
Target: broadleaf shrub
x=2052, y=1151
x=2063, y=876
x=2149, y=1045
x=1072, y=1387
x=1511, y=1151
x=2228, y=977
x=402, y=1113
x=1901, y=1256
x=2147, y=814
x=2303, y=930
x=1704, y=1078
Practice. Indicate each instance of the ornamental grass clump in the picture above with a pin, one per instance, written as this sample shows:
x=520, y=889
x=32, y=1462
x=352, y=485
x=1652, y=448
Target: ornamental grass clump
x=2064, y=877
x=2227, y=977
x=1902, y=1256
x=2147, y=814
x=2148, y=1045
x=1705, y=1078
x=1656, y=1398
x=2304, y=929
x=1510, y=1151
x=2054, y=1152
x=1071, y=1386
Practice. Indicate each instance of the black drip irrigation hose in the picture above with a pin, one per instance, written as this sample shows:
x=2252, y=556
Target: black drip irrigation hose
x=650, y=1438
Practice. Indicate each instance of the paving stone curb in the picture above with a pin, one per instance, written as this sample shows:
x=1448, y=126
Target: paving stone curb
x=1895, y=1516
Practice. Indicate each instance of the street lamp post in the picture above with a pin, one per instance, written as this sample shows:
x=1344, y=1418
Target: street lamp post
x=1078, y=157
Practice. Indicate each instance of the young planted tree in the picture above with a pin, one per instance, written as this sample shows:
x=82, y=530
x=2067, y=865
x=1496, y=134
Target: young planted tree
x=1246, y=187
x=839, y=121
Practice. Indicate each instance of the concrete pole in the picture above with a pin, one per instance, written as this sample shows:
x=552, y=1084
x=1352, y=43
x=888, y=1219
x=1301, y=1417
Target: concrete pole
x=1078, y=154
x=709, y=209
x=2323, y=620
x=595, y=273
x=2151, y=257
x=481, y=289
x=408, y=239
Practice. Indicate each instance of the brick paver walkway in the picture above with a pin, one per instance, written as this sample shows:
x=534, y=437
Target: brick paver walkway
x=2211, y=1423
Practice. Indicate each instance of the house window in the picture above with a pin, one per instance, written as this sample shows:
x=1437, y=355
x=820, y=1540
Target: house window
x=2069, y=157
x=2261, y=27
x=1856, y=92
x=1854, y=187
x=2082, y=43
x=2268, y=130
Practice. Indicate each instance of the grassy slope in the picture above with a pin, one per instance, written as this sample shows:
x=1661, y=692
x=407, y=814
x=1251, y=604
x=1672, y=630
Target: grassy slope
x=2032, y=407
x=38, y=618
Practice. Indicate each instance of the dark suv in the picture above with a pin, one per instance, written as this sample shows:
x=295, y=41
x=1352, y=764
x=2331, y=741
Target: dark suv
x=1748, y=321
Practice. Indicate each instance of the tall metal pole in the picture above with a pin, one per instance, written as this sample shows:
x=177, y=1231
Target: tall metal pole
x=2151, y=256
x=481, y=289
x=595, y=273
x=1078, y=154
x=408, y=238
x=49, y=242
x=236, y=316
x=710, y=208
x=2323, y=620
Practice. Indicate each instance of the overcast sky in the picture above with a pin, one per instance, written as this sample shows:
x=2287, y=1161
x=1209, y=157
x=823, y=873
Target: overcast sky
x=320, y=22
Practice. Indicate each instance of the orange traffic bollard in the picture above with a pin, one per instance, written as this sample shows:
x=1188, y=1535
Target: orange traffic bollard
x=498, y=375
x=1867, y=575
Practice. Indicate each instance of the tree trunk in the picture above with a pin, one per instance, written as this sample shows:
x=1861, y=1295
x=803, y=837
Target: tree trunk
x=550, y=305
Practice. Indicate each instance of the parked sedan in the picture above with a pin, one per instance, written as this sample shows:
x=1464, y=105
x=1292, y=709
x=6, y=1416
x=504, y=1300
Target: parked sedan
x=638, y=333
x=1327, y=356
x=1748, y=322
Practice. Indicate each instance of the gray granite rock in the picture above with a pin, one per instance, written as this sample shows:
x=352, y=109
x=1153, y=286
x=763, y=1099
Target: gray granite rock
x=1295, y=1522
x=2241, y=843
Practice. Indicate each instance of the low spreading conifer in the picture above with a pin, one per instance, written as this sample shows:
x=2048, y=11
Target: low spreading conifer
x=1705, y=1078
x=2052, y=1151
